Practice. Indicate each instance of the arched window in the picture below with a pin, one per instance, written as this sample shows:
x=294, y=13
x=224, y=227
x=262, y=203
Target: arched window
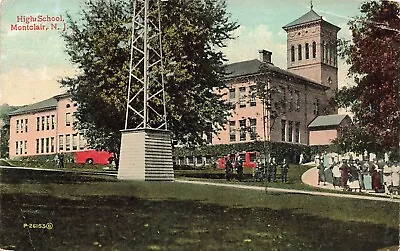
x=314, y=49
x=292, y=53
x=323, y=51
x=299, y=52
x=307, y=51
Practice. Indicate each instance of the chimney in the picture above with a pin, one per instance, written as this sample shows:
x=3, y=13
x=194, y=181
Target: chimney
x=265, y=56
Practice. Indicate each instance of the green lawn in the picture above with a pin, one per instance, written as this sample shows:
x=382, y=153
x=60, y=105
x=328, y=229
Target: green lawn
x=95, y=212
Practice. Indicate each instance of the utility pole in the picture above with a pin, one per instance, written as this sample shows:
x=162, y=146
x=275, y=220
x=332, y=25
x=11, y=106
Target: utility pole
x=146, y=151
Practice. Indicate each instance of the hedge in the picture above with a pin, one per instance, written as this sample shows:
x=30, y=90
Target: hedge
x=279, y=150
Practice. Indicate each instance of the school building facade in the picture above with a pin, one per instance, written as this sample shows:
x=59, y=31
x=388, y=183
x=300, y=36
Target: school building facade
x=297, y=94
x=45, y=128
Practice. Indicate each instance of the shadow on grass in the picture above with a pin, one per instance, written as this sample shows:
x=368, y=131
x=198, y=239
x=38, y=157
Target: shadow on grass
x=130, y=223
x=24, y=176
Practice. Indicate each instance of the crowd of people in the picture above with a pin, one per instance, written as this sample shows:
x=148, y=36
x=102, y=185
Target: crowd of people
x=264, y=170
x=267, y=170
x=355, y=174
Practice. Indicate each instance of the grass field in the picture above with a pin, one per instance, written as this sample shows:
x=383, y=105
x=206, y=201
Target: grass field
x=95, y=212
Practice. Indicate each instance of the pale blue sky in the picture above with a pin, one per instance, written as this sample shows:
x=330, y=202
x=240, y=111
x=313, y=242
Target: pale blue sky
x=31, y=62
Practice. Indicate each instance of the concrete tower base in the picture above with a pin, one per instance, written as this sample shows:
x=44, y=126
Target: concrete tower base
x=146, y=154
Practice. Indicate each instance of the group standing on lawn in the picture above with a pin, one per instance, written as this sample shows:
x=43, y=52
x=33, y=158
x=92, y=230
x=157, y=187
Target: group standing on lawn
x=264, y=170
x=359, y=174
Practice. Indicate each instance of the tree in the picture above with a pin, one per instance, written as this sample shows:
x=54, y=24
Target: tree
x=98, y=45
x=373, y=56
x=5, y=129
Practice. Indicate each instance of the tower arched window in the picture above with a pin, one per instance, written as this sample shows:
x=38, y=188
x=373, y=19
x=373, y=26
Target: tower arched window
x=314, y=49
x=307, y=51
x=323, y=51
x=292, y=53
x=299, y=52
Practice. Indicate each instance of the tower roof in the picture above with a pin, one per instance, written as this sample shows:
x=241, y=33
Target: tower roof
x=306, y=18
x=309, y=17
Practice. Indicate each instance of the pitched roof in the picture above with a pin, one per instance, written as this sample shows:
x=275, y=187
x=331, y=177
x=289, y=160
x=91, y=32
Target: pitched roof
x=251, y=67
x=310, y=16
x=328, y=120
x=44, y=105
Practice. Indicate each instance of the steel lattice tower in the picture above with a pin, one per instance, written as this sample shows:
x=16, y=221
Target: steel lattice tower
x=146, y=66
x=146, y=152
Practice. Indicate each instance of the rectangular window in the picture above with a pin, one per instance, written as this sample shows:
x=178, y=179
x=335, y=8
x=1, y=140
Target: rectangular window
x=290, y=99
x=42, y=145
x=297, y=132
x=68, y=119
x=37, y=123
x=316, y=106
x=52, y=122
x=20, y=147
x=232, y=131
x=26, y=146
x=67, y=142
x=283, y=130
x=16, y=147
x=290, y=131
x=47, y=145
x=81, y=142
x=242, y=97
x=297, y=100
x=60, y=142
x=26, y=125
x=253, y=129
x=52, y=144
x=232, y=97
x=242, y=124
x=17, y=126
x=22, y=125
x=253, y=95
x=74, y=142
x=42, y=123
x=37, y=146
x=47, y=122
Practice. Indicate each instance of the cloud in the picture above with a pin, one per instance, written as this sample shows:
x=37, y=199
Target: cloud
x=26, y=86
x=249, y=41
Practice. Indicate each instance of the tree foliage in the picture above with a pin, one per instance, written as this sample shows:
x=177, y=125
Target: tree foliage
x=99, y=46
x=5, y=129
x=373, y=56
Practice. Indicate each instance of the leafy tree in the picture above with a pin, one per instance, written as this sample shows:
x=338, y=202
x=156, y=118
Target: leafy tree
x=373, y=56
x=5, y=129
x=98, y=45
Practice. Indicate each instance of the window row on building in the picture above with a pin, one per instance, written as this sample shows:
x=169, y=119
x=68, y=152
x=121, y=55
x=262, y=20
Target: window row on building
x=71, y=142
x=22, y=125
x=290, y=131
x=285, y=96
x=45, y=145
x=245, y=129
x=328, y=52
x=21, y=147
x=45, y=123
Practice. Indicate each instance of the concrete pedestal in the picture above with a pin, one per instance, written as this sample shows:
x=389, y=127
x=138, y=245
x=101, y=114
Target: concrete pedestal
x=146, y=154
